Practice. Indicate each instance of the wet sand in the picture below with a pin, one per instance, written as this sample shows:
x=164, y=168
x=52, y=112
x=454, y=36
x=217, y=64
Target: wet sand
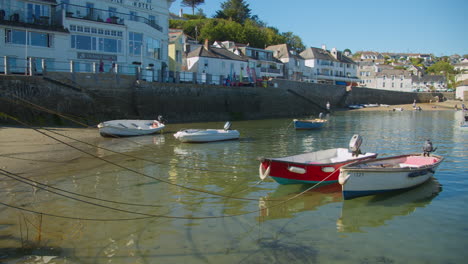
x=434, y=106
x=24, y=150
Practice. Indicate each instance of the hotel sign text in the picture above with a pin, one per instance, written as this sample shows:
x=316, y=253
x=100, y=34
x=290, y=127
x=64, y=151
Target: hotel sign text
x=135, y=3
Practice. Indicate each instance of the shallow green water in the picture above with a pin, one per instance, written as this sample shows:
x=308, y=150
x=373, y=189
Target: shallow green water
x=210, y=207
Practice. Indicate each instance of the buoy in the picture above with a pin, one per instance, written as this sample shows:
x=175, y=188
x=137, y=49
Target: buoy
x=263, y=174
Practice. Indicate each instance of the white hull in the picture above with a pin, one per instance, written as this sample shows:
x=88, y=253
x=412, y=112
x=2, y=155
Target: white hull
x=206, y=135
x=128, y=127
x=386, y=174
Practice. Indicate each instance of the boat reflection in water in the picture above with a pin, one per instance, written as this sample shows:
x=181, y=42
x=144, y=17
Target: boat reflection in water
x=374, y=211
x=276, y=206
x=123, y=145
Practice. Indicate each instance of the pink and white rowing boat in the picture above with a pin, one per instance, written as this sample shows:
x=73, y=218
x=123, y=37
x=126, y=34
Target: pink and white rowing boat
x=387, y=174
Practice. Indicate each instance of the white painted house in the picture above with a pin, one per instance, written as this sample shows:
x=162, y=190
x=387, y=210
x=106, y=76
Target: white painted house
x=394, y=80
x=294, y=65
x=330, y=66
x=79, y=34
x=219, y=63
x=262, y=63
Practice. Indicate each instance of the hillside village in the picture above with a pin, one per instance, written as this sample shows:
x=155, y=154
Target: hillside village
x=243, y=65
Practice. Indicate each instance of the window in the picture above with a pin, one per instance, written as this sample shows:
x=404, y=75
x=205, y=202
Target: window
x=110, y=45
x=153, y=48
x=35, y=11
x=133, y=16
x=97, y=44
x=178, y=57
x=38, y=39
x=135, y=43
x=112, y=11
x=89, y=9
x=83, y=42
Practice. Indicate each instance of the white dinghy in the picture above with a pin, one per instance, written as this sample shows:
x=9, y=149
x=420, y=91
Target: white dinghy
x=207, y=135
x=129, y=127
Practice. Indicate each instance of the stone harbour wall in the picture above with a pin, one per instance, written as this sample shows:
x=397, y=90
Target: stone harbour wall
x=92, y=98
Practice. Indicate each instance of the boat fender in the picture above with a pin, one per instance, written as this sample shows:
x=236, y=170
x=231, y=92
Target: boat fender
x=328, y=169
x=263, y=174
x=296, y=169
x=342, y=179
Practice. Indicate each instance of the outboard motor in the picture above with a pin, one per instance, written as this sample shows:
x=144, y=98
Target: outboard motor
x=227, y=126
x=428, y=148
x=355, y=145
x=161, y=119
x=321, y=115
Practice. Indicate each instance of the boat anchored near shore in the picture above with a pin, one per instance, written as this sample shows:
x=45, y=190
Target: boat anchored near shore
x=207, y=135
x=321, y=166
x=388, y=174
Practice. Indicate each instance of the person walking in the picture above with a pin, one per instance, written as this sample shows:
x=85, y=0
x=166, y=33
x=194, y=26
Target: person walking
x=101, y=66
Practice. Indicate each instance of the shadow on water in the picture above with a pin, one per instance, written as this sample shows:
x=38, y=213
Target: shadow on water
x=376, y=210
x=37, y=254
x=308, y=201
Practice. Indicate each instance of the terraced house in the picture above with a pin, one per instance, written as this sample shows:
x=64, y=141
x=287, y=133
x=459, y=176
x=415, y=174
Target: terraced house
x=84, y=36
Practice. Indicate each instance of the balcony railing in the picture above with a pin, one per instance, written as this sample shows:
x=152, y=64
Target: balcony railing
x=269, y=70
x=105, y=16
x=21, y=15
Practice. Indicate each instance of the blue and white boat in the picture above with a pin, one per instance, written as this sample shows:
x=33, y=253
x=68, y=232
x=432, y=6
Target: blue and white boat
x=381, y=175
x=309, y=123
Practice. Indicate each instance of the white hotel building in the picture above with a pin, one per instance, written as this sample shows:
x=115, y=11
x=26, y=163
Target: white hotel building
x=84, y=35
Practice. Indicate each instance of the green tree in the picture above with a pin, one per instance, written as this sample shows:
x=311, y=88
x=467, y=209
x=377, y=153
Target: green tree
x=440, y=67
x=294, y=41
x=235, y=10
x=417, y=61
x=443, y=67
x=347, y=51
x=192, y=4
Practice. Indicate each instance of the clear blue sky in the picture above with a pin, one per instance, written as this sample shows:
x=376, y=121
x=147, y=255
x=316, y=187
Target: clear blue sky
x=410, y=26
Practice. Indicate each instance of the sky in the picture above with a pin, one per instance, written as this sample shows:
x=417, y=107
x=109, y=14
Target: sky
x=439, y=27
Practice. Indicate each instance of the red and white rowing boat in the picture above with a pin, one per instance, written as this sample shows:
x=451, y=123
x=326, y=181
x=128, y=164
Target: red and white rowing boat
x=321, y=166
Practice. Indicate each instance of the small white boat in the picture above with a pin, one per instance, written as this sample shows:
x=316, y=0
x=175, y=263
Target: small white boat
x=207, y=135
x=356, y=106
x=129, y=127
x=370, y=105
x=370, y=177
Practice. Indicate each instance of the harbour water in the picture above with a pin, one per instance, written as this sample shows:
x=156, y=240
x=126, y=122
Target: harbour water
x=153, y=199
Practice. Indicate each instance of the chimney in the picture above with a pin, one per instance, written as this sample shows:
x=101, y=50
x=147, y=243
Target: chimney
x=334, y=53
x=324, y=47
x=207, y=44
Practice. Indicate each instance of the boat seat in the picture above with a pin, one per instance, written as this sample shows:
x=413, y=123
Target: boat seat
x=405, y=165
x=135, y=125
x=122, y=125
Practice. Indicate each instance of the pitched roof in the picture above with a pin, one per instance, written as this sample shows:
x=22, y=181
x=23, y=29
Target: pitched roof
x=321, y=54
x=216, y=53
x=393, y=72
x=283, y=52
